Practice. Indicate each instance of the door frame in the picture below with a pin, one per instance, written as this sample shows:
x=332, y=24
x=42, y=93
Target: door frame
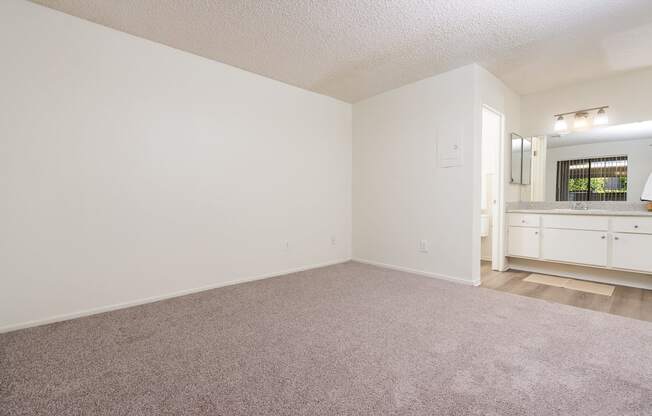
x=498, y=260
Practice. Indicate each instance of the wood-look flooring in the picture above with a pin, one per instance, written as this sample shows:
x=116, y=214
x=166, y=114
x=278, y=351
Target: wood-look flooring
x=625, y=301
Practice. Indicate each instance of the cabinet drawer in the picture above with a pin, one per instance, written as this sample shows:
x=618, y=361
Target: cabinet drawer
x=632, y=252
x=637, y=225
x=523, y=220
x=576, y=222
x=523, y=242
x=575, y=246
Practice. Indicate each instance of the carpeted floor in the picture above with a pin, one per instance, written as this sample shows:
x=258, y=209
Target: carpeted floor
x=349, y=339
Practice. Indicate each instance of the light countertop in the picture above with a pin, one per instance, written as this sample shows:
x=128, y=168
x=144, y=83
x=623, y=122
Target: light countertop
x=599, y=212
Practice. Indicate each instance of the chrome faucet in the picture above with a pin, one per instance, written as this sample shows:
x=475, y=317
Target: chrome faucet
x=580, y=205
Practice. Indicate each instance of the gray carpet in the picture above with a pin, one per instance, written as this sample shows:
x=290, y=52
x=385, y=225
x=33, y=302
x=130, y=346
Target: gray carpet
x=350, y=339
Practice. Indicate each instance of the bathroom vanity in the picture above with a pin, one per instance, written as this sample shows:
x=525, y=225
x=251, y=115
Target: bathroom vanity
x=580, y=211
x=611, y=240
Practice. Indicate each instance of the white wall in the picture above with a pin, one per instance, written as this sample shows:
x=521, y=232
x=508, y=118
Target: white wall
x=401, y=196
x=639, y=162
x=131, y=170
x=628, y=96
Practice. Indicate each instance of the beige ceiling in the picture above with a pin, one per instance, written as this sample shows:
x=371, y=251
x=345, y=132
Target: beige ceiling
x=354, y=49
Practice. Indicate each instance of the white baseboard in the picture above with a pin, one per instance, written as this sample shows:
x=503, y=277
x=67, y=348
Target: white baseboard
x=419, y=272
x=123, y=305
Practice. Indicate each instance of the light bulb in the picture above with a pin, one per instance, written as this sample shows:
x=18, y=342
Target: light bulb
x=560, y=124
x=601, y=118
x=581, y=121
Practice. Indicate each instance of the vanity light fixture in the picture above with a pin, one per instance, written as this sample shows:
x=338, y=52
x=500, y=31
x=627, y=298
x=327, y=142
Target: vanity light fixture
x=601, y=118
x=581, y=120
x=560, y=124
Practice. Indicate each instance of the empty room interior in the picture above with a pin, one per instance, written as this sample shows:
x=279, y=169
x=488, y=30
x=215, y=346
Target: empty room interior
x=338, y=207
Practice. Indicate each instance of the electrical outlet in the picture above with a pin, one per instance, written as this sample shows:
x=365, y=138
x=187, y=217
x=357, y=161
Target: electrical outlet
x=333, y=240
x=423, y=246
x=287, y=245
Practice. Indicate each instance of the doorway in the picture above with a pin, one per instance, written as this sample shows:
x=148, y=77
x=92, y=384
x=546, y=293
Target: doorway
x=491, y=198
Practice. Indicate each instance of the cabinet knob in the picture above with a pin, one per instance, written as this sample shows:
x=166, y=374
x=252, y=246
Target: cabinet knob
x=536, y=233
x=603, y=237
x=636, y=226
x=616, y=238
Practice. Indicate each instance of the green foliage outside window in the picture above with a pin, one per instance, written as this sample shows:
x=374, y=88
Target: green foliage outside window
x=577, y=184
x=596, y=179
x=598, y=185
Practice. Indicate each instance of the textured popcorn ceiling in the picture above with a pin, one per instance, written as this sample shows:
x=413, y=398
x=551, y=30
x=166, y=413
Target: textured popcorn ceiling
x=354, y=49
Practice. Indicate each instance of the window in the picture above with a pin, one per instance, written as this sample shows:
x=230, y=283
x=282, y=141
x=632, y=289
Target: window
x=597, y=179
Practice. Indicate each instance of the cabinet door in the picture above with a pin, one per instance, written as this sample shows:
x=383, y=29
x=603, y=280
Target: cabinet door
x=523, y=242
x=575, y=246
x=632, y=252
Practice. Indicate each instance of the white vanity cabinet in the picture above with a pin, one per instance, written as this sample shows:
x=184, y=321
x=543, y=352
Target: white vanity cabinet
x=524, y=220
x=575, y=239
x=524, y=242
x=635, y=225
x=611, y=242
x=575, y=246
x=632, y=243
x=524, y=239
x=632, y=252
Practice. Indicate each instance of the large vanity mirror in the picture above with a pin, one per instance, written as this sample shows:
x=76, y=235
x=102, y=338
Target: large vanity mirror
x=609, y=163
